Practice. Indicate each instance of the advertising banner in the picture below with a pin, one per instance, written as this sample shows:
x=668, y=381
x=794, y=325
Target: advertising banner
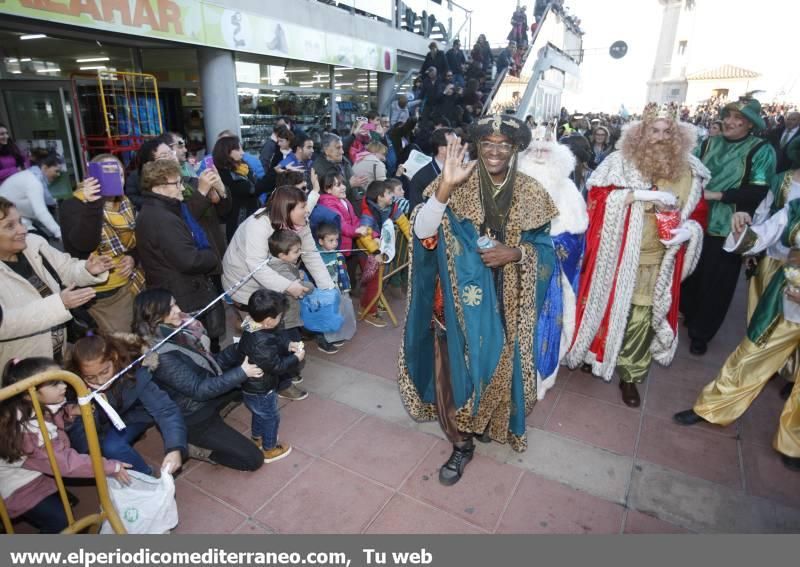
x=212, y=25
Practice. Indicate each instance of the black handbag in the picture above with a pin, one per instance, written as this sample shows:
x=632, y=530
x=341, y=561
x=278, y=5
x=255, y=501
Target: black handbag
x=214, y=320
x=82, y=322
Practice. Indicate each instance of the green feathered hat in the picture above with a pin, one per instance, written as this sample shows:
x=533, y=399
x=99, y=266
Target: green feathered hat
x=750, y=108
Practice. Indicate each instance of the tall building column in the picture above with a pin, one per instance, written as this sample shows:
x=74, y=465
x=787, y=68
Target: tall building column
x=386, y=83
x=220, y=100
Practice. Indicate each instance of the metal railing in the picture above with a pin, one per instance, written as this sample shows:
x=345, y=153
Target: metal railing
x=107, y=510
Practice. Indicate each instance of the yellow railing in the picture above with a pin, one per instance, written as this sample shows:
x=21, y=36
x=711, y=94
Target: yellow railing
x=107, y=510
x=386, y=271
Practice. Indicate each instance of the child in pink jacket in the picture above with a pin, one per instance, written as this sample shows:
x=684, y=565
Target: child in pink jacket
x=26, y=482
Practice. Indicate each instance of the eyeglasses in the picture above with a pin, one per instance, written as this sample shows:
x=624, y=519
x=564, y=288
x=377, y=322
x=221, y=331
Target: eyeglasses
x=501, y=148
x=177, y=184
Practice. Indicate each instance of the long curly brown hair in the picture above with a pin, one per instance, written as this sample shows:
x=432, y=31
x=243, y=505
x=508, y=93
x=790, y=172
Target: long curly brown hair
x=665, y=160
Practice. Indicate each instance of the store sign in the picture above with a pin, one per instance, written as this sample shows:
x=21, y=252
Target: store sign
x=203, y=23
x=242, y=31
x=178, y=20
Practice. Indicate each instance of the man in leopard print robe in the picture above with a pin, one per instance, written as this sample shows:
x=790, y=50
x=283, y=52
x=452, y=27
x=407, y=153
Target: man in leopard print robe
x=467, y=357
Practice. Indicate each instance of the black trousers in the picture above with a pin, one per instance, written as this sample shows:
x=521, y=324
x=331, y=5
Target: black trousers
x=707, y=293
x=229, y=448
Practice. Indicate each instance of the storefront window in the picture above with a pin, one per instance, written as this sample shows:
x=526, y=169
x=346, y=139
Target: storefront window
x=52, y=57
x=260, y=108
x=270, y=87
x=276, y=72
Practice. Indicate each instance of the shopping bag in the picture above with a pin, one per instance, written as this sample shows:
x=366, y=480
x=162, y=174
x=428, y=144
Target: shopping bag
x=320, y=310
x=147, y=506
x=348, y=328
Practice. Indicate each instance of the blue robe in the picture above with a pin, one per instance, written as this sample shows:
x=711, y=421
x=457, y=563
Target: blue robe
x=569, y=253
x=490, y=326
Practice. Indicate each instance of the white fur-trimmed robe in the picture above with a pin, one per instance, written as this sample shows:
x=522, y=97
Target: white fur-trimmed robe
x=572, y=218
x=617, y=172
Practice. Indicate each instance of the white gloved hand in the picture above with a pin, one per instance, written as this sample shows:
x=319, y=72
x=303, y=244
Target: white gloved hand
x=679, y=236
x=667, y=199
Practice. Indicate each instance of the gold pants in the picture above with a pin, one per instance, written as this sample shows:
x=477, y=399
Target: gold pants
x=758, y=283
x=633, y=362
x=742, y=378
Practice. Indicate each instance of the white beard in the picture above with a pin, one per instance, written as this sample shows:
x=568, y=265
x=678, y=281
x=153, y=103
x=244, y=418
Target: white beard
x=553, y=174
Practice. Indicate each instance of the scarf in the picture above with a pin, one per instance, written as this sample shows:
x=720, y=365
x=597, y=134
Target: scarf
x=192, y=338
x=496, y=199
x=198, y=234
x=373, y=216
x=242, y=169
x=118, y=236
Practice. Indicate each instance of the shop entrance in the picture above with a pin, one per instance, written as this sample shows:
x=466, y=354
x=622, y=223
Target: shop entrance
x=40, y=116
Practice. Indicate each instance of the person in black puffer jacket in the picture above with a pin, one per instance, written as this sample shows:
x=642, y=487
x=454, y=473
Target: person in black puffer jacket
x=276, y=355
x=198, y=382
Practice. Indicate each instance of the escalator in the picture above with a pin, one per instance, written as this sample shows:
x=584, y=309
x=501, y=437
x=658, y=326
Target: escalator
x=550, y=71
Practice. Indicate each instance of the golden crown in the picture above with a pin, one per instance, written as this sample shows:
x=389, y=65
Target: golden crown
x=654, y=111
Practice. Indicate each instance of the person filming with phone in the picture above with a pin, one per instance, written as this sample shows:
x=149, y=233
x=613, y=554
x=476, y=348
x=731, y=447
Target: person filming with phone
x=100, y=220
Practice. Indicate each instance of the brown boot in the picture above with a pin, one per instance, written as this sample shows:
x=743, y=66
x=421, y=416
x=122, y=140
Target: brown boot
x=630, y=395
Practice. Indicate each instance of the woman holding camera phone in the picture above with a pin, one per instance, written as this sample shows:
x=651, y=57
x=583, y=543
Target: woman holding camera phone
x=101, y=220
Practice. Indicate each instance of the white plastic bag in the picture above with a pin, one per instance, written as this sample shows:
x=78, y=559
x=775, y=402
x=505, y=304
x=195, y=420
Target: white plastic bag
x=348, y=328
x=147, y=506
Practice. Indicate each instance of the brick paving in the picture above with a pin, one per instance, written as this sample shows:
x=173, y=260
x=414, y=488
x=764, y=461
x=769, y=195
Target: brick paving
x=361, y=465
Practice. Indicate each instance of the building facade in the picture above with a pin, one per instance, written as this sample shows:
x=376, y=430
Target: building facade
x=668, y=81
x=233, y=65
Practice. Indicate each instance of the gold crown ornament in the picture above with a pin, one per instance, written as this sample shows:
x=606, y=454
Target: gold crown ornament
x=654, y=111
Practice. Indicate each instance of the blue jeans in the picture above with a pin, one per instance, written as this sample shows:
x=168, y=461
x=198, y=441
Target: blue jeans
x=114, y=444
x=48, y=515
x=266, y=417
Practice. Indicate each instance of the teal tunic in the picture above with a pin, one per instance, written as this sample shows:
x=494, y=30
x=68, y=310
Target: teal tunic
x=490, y=321
x=728, y=163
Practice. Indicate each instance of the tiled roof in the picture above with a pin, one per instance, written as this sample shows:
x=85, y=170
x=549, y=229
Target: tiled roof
x=724, y=72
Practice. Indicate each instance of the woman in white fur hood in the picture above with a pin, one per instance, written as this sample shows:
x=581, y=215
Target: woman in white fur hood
x=551, y=163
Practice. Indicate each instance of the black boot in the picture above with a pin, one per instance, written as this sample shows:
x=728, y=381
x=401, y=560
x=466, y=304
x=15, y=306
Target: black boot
x=484, y=437
x=688, y=417
x=630, y=394
x=451, y=471
x=786, y=391
x=791, y=463
x=698, y=347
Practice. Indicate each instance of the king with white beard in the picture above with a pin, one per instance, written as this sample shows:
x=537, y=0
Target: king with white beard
x=551, y=163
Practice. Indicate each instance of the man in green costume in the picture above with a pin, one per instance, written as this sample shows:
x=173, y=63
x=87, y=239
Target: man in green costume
x=468, y=357
x=742, y=167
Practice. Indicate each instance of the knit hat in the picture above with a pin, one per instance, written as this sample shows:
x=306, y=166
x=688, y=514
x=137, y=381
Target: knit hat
x=750, y=108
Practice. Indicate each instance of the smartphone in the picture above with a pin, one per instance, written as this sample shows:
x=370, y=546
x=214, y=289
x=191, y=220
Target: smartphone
x=209, y=161
x=109, y=176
